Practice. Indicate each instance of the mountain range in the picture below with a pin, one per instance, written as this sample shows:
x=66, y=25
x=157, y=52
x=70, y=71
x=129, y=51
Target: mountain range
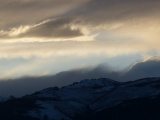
x=26, y=85
x=96, y=99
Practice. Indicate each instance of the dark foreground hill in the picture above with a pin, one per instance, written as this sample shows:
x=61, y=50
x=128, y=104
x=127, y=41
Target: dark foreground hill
x=96, y=99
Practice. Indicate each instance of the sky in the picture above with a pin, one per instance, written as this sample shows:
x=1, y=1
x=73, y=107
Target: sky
x=45, y=37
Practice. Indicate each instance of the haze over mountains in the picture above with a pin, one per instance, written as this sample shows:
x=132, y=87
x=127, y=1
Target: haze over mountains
x=28, y=85
x=79, y=59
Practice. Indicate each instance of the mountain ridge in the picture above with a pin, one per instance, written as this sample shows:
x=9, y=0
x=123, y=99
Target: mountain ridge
x=80, y=98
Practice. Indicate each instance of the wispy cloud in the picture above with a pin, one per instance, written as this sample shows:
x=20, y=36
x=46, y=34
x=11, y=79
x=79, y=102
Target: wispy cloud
x=47, y=29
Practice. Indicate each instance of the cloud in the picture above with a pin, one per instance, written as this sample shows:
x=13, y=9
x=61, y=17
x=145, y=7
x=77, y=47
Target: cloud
x=77, y=29
x=74, y=48
x=121, y=15
x=26, y=85
x=132, y=20
x=104, y=11
x=148, y=68
x=27, y=12
x=54, y=28
x=59, y=28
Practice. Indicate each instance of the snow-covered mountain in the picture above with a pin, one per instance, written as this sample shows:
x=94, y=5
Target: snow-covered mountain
x=79, y=99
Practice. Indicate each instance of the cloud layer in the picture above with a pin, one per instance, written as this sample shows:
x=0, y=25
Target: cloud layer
x=26, y=85
x=148, y=68
x=118, y=16
x=46, y=32
x=50, y=29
